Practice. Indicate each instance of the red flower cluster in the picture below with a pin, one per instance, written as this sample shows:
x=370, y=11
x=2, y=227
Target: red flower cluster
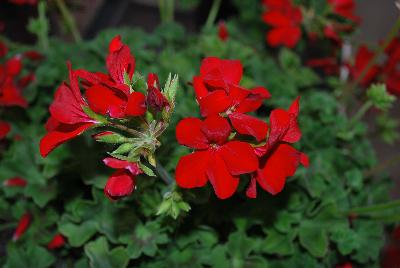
x=12, y=83
x=285, y=20
x=107, y=98
x=221, y=154
x=387, y=71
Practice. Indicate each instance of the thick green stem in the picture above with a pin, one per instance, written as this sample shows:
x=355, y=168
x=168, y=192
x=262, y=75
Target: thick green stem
x=382, y=166
x=374, y=208
x=167, y=8
x=392, y=34
x=126, y=129
x=43, y=34
x=69, y=20
x=213, y=13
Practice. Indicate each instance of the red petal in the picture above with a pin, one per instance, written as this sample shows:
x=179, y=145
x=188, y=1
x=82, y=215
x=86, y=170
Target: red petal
x=4, y=129
x=276, y=36
x=103, y=100
x=3, y=49
x=251, y=191
x=115, y=44
x=254, y=100
x=121, y=183
x=238, y=94
x=199, y=87
x=214, y=103
x=14, y=66
x=221, y=73
x=216, y=129
x=33, y=55
x=188, y=133
x=152, y=80
x=136, y=104
x=191, y=170
x=120, y=62
x=223, y=33
x=23, y=225
x=16, y=181
x=155, y=99
x=132, y=167
x=60, y=135
x=223, y=182
x=276, y=18
x=11, y=95
x=249, y=125
x=239, y=157
x=292, y=37
x=58, y=241
x=281, y=164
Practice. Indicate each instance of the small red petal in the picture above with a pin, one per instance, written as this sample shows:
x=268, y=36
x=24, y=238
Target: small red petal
x=136, y=105
x=251, y=191
x=58, y=241
x=104, y=101
x=23, y=225
x=249, y=125
x=120, y=184
x=16, y=181
x=4, y=129
x=115, y=44
x=132, y=167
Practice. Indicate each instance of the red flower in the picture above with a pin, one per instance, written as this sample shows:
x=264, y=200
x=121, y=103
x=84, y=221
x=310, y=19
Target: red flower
x=155, y=99
x=58, y=241
x=363, y=57
x=33, y=55
x=16, y=182
x=391, y=70
x=10, y=94
x=216, y=159
x=345, y=8
x=108, y=93
x=24, y=2
x=4, y=129
x=122, y=182
x=68, y=119
x=23, y=225
x=277, y=159
x=285, y=20
x=218, y=92
x=223, y=33
x=331, y=33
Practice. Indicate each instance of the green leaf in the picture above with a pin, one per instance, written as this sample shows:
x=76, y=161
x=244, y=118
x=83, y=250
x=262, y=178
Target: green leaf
x=78, y=234
x=124, y=148
x=28, y=256
x=41, y=194
x=314, y=239
x=148, y=171
x=277, y=243
x=100, y=255
x=379, y=96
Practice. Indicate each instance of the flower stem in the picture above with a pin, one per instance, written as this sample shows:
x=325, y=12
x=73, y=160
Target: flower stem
x=374, y=208
x=382, y=166
x=166, y=10
x=213, y=13
x=69, y=20
x=361, y=112
x=392, y=34
x=126, y=129
x=164, y=174
x=43, y=33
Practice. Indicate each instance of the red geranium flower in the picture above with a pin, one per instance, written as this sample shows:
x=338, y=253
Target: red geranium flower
x=223, y=33
x=345, y=8
x=108, y=93
x=363, y=57
x=15, y=182
x=58, y=241
x=4, y=129
x=122, y=182
x=285, y=20
x=391, y=68
x=23, y=225
x=216, y=158
x=10, y=94
x=218, y=92
x=277, y=159
x=68, y=119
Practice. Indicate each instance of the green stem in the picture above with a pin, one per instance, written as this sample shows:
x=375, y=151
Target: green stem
x=361, y=112
x=166, y=8
x=43, y=33
x=164, y=174
x=126, y=129
x=69, y=20
x=382, y=166
x=213, y=14
x=392, y=34
x=374, y=208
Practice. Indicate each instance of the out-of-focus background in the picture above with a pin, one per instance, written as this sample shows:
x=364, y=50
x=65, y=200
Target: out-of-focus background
x=94, y=15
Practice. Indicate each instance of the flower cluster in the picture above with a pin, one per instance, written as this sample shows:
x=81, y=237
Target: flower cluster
x=12, y=82
x=222, y=151
x=367, y=70
x=136, y=113
x=286, y=21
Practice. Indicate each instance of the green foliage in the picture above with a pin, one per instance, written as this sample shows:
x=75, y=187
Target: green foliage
x=304, y=226
x=379, y=96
